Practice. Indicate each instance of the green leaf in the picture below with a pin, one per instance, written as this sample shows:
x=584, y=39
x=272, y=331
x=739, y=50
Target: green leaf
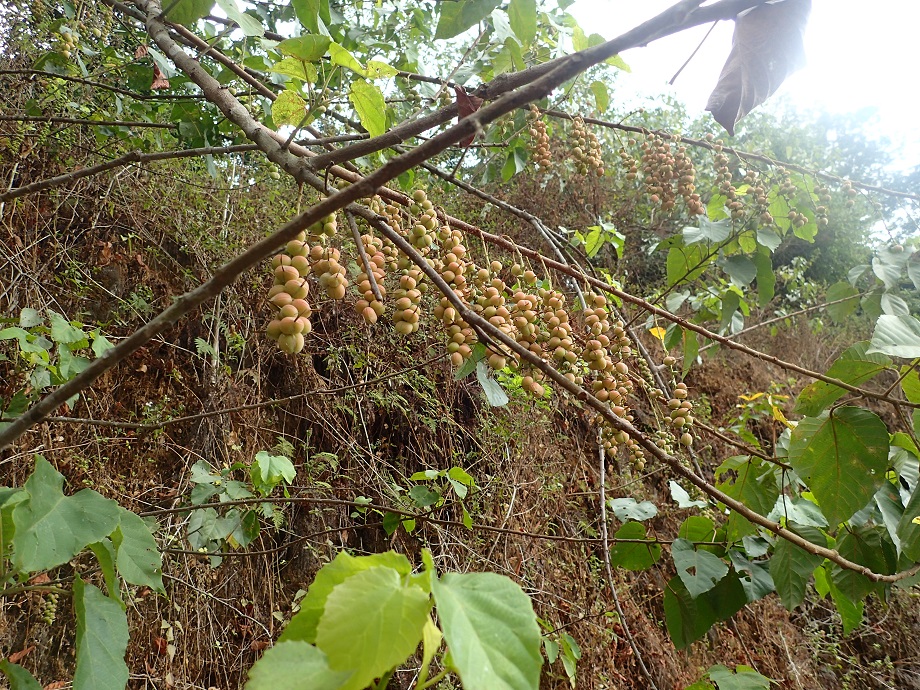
x=471, y=362
x=19, y=678
x=495, y=394
x=742, y=678
x=372, y=622
x=52, y=528
x=105, y=553
x=289, y=109
x=137, y=556
x=341, y=56
x=102, y=639
x=687, y=618
x=630, y=555
x=630, y=509
x=898, y=336
x=431, y=642
x=295, y=665
x=843, y=457
x=740, y=269
x=379, y=70
x=271, y=469
x=601, y=96
x=298, y=69
x=691, y=350
x=700, y=571
x=868, y=546
x=523, y=17
x=908, y=529
x=894, y=305
x=29, y=318
x=913, y=270
x=187, y=12
x=755, y=576
x=62, y=332
x=766, y=278
x=303, y=624
x=686, y=264
x=461, y=481
x=888, y=266
x=491, y=630
x=515, y=162
x=854, y=366
x=791, y=566
x=727, y=597
x=308, y=13
x=851, y=612
x=249, y=24
x=682, y=497
x=309, y=47
x=457, y=17
x=370, y=106
x=697, y=528
x=751, y=481
x=708, y=231
x=423, y=497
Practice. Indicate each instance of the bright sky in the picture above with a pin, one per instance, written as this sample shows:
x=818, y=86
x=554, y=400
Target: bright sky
x=859, y=55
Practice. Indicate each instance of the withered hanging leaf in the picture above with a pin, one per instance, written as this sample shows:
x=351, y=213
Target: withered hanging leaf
x=159, y=79
x=466, y=105
x=768, y=46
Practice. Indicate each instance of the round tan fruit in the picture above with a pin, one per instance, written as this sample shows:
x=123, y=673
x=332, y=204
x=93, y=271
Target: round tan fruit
x=274, y=329
x=303, y=307
x=289, y=310
x=369, y=316
x=289, y=325
x=297, y=288
x=281, y=299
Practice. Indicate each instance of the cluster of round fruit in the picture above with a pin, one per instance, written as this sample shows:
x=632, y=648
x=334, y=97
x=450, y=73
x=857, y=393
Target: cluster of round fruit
x=658, y=170
x=680, y=416
x=851, y=193
x=685, y=175
x=423, y=233
x=49, y=607
x=408, y=298
x=368, y=306
x=67, y=41
x=539, y=139
x=723, y=171
x=289, y=296
x=586, y=149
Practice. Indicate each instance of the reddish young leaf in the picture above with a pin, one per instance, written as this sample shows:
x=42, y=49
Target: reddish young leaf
x=466, y=105
x=767, y=47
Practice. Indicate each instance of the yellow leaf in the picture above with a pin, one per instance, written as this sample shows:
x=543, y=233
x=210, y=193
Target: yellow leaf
x=657, y=332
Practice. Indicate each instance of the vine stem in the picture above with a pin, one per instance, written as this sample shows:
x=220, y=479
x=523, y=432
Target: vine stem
x=602, y=463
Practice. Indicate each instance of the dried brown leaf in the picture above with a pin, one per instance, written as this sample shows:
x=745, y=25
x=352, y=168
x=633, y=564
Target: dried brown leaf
x=16, y=657
x=768, y=46
x=159, y=79
x=141, y=52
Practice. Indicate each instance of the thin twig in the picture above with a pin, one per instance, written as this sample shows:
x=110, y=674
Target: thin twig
x=605, y=543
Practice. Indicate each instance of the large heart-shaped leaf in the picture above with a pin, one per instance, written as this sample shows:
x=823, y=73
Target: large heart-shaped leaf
x=843, y=457
x=372, y=622
x=52, y=528
x=491, y=630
